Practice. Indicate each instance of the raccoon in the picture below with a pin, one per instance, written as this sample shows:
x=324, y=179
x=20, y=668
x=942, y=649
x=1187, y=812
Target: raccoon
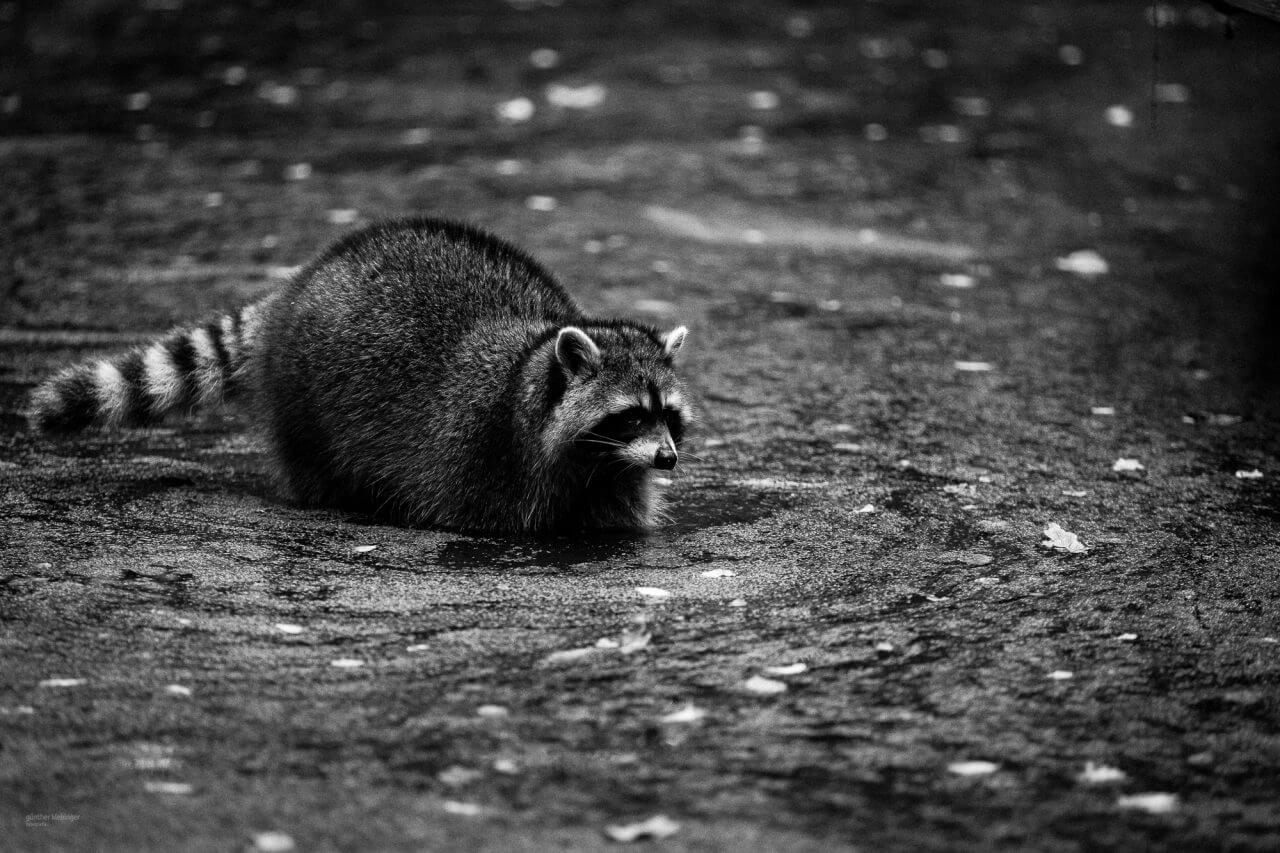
x=425, y=371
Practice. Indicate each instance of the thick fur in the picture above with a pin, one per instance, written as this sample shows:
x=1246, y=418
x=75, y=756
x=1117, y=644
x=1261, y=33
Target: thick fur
x=426, y=371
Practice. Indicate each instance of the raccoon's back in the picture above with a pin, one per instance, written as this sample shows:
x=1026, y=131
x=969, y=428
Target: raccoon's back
x=397, y=339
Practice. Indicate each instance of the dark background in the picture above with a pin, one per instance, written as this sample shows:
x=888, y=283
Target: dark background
x=145, y=159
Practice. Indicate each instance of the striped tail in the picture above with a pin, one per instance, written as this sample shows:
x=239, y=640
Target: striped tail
x=189, y=368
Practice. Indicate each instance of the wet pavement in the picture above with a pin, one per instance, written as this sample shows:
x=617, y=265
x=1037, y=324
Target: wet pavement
x=867, y=216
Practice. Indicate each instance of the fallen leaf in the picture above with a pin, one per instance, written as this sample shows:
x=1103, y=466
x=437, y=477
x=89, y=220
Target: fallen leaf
x=455, y=776
x=1127, y=638
x=569, y=655
x=738, y=602
x=1118, y=115
x=633, y=641
x=865, y=508
x=764, y=100
x=687, y=714
x=465, y=809
x=788, y=669
x=544, y=58
x=884, y=646
x=972, y=106
x=957, y=279
x=175, y=788
x=973, y=768
x=1100, y=774
x=658, y=826
x=764, y=686
x=273, y=842
x=1085, y=262
x=515, y=110
x=416, y=136
x=1122, y=465
x=576, y=97
x=1152, y=803
x=417, y=647
x=1062, y=540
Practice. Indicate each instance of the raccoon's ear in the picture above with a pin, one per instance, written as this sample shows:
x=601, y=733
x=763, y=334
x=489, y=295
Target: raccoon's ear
x=673, y=341
x=576, y=351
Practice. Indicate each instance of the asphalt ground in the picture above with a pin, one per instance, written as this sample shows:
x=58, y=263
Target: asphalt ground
x=867, y=215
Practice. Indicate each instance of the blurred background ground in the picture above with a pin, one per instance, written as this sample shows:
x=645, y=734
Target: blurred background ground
x=860, y=210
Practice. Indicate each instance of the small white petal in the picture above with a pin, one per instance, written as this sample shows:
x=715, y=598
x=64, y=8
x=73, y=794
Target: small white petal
x=175, y=788
x=687, y=714
x=273, y=842
x=515, y=110
x=1118, y=115
x=1127, y=465
x=346, y=663
x=788, y=669
x=653, y=593
x=364, y=549
x=492, y=712
x=1061, y=675
x=957, y=280
x=973, y=768
x=1100, y=774
x=177, y=690
x=464, y=809
x=719, y=573
x=974, y=366
x=1152, y=803
x=1085, y=262
x=658, y=826
x=286, y=628
x=764, y=686
x=62, y=682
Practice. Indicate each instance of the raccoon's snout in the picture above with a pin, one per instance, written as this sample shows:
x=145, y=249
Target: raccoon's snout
x=665, y=458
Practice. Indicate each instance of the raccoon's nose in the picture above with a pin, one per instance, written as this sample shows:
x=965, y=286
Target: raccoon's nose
x=665, y=459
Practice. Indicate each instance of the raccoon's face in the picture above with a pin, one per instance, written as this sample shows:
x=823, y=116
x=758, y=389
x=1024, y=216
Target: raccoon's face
x=622, y=398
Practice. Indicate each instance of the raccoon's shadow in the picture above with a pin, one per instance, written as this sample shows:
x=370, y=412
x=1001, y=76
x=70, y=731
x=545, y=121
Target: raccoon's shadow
x=694, y=510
